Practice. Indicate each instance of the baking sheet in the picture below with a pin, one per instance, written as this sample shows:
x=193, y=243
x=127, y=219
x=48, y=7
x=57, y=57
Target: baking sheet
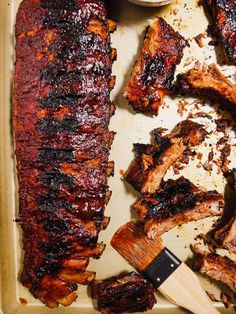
x=189, y=19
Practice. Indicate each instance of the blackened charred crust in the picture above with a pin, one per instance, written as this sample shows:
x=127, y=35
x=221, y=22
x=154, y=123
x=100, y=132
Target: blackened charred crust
x=154, y=70
x=62, y=110
x=223, y=14
x=126, y=293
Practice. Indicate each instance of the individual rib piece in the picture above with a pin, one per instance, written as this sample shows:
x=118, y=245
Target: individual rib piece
x=224, y=18
x=208, y=82
x=151, y=162
x=125, y=293
x=176, y=202
x=61, y=114
x=154, y=70
x=226, y=235
x=217, y=267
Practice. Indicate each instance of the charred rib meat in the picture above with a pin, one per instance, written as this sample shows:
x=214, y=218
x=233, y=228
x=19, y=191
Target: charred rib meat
x=208, y=82
x=154, y=70
x=217, y=267
x=61, y=116
x=152, y=161
x=223, y=14
x=176, y=202
x=126, y=293
x=226, y=236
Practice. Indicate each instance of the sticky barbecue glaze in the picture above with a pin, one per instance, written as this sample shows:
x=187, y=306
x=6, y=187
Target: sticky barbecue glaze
x=61, y=114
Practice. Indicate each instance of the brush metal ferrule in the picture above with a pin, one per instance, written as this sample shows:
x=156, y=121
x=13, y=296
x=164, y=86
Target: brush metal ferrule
x=161, y=267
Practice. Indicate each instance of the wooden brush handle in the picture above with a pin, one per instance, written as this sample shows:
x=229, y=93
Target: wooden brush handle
x=184, y=289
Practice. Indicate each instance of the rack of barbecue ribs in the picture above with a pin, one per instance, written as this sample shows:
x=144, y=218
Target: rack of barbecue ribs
x=62, y=110
x=224, y=22
x=209, y=82
x=217, y=267
x=151, y=162
x=125, y=293
x=176, y=202
x=154, y=70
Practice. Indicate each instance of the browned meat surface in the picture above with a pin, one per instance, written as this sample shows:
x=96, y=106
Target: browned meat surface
x=176, y=202
x=151, y=162
x=223, y=13
x=208, y=82
x=61, y=116
x=217, y=267
x=226, y=235
x=126, y=293
x=154, y=70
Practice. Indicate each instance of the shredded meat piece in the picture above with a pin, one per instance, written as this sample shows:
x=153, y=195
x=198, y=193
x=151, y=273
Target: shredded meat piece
x=151, y=162
x=208, y=82
x=176, y=202
x=61, y=115
x=126, y=293
x=217, y=267
x=154, y=70
x=223, y=13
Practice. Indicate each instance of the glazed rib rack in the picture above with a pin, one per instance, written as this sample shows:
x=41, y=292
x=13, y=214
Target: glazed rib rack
x=61, y=114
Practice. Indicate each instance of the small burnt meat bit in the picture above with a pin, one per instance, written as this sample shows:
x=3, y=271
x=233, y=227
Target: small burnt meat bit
x=208, y=82
x=177, y=202
x=217, y=267
x=223, y=14
x=154, y=70
x=226, y=235
x=151, y=162
x=62, y=109
x=126, y=293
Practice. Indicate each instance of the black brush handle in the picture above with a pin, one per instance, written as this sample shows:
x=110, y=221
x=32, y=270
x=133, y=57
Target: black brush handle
x=161, y=267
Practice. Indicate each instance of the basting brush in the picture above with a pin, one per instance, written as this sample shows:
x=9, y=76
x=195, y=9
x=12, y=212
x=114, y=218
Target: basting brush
x=173, y=278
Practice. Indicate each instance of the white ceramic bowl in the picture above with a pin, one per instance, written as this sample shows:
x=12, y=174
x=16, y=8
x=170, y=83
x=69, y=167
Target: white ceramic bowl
x=151, y=3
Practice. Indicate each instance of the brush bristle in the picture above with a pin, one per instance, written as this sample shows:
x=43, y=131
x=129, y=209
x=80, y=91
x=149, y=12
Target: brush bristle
x=132, y=243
